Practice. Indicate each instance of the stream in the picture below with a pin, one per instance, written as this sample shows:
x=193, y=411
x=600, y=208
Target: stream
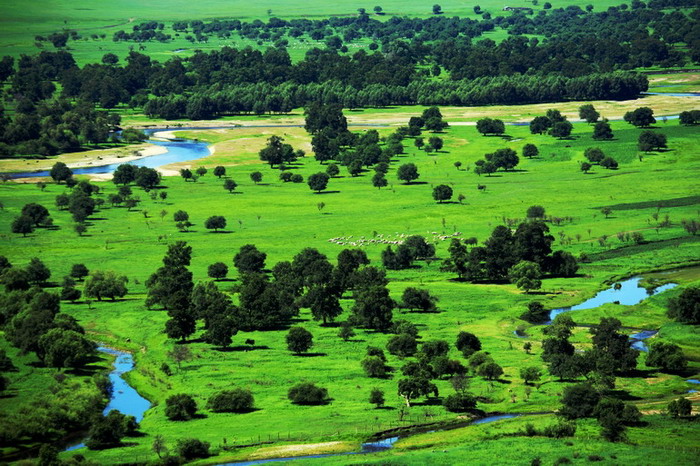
x=124, y=398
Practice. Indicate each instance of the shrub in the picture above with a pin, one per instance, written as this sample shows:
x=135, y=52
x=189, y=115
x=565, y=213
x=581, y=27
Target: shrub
x=374, y=367
x=180, y=407
x=459, y=402
x=237, y=400
x=560, y=430
x=191, y=448
x=307, y=393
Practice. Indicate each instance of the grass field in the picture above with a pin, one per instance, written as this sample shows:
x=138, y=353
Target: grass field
x=281, y=219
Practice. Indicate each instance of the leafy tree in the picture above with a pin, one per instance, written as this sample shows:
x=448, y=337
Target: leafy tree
x=418, y=299
x=346, y=332
x=536, y=313
x=107, y=431
x=37, y=272
x=201, y=171
x=180, y=354
x=667, y=356
x=526, y=275
x=307, y=393
x=215, y=222
x=442, y=193
x=594, y=154
x=230, y=185
x=437, y=9
x=249, y=259
x=588, y=113
x=256, y=177
x=649, y=141
x=219, y=171
x=459, y=402
x=318, y=181
x=489, y=370
x=237, y=400
x=65, y=348
x=540, y=125
x=609, y=163
x=192, y=448
x=408, y=172
x=22, y=225
x=602, y=130
x=332, y=170
x=641, y=117
x=535, y=212
x=373, y=308
x=60, y=172
x=186, y=174
x=374, y=367
x=180, y=407
x=579, y=401
x=312, y=267
x=147, y=178
x=299, y=340
x=376, y=397
x=530, y=374
x=561, y=129
x=402, y=345
x=37, y=213
x=416, y=387
x=220, y=330
x=530, y=150
x=680, y=407
x=106, y=284
x=612, y=347
x=686, y=307
x=490, y=126
x=323, y=302
x=689, y=118
x=217, y=270
x=379, y=181
x=467, y=343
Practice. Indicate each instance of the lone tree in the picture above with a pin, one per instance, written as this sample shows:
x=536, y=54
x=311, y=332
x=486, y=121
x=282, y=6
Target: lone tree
x=237, y=400
x=526, y=275
x=642, y=117
x=588, y=113
x=561, y=129
x=649, y=141
x=379, y=181
x=318, y=181
x=667, y=356
x=256, y=177
x=437, y=9
x=686, y=307
x=22, y=225
x=307, y=393
x=490, y=126
x=299, y=340
x=407, y=173
x=442, y=193
x=219, y=171
x=230, y=185
x=530, y=150
x=602, y=130
x=376, y=397
x=217, y=270
x=215, y=222
x=186, y=174
x=60, y=172
x=181, y=407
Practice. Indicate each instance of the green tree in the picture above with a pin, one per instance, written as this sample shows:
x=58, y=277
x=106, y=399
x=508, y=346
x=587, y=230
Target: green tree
x=38, y=214
x=407, y=173
x=579, y=401
x=686, y=306
x=561, y=129
x=256, y=177
x=379, y=181
x=65, y=348
x=219, y=171
x=318, y=181
x=237, y=400
x=530, y=150
x=215, y=222
x=459, y=402
x=374, y=367
x=667, y=356
x=299, y=340
x=467, y=343
x=588, y=113
x=332, y=170
x=442, y=193
x=376, y=397
x=37, y=272
x=373, y=308
x=402, y=345
x=192, y=448
x=489, y=370
x=106, y=284
x=186, y=174
x=641, y=117
x=418, y=299
x=415, y=387
x=680, y=407
x=307, y=393
x=180, y=407
x=60, y=172
x=22, y=225
x=217, y=270
x=602, y=130
x=530, y=374
x=526, y=275
x=249, y=259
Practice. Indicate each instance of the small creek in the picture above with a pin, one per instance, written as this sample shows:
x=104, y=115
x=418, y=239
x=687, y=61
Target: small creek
x=124, y=398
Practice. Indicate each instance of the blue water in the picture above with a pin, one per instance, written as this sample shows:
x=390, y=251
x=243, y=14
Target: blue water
x=629, y=294
x=637, y=339
x=124, y=398
x=674, y=94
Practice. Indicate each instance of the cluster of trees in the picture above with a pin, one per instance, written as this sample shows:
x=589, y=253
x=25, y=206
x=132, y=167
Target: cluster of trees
x=507, y=159
x=553, y=123
x=530, y=244
x=411, y=249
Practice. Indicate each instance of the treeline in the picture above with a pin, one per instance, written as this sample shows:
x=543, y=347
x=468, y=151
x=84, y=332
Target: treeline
x=264, y=98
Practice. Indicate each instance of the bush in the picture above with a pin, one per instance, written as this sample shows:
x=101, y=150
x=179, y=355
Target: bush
x=459, y=402
x=180, y=407
x=560, y=430
x=307, y=393
x=374, y=367
x=467, y=343
x=402, y=345
x=237, y=400
x=191, y=448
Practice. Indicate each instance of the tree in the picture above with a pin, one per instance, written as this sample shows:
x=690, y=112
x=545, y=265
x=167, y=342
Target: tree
x=442, y=192
x=256, y=177
x=467, y=343
x=318, y=181
x=376, y=397
x=65, y=348
x=307, y=393
x=215, y=222
x=530, y=374
x=332, y=170
x=602, y=130
x=489, y=370
x=641, y=117
x=378, y=10
x=192, y=448
x=373, y=308
x=459, y=402
x=579, y=401
x=526, y=275
x=530, y=150
x=680, y=407
x=346, y=332
x=37, y=272
x=536, y=313
x=609, y=163
x=37, y=213
x=436, y=143
x=180, y=354
x=186, y=174
x=437, y=9
x=219, y=171
x=415, y=387
x=249, y=259
x=237, y=400
x=22, y=225
x=217, y=270
x=108, y=431
x=408, y=172
x=402, y=345
x=649, y=141
x=379, y=181
x=180, y=407
x=201, y=171
x=586, y=167
x=106, y=284
x=299, y=340
x=535, y=212
x=667, y=356
x=588, y=113
x=612, y=348
x=561, y=129
x=374, y=367
x=60, y=172
x=490, y=126
x=418, y=299
x=323, y=302
x=686, y=307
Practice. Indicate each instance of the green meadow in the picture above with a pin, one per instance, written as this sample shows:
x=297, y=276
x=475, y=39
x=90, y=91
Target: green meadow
x=283, y=218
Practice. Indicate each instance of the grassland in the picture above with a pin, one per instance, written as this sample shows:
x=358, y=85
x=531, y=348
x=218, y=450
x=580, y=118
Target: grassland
x=281, y=219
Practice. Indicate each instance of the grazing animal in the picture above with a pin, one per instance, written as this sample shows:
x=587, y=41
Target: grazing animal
x=481, y=187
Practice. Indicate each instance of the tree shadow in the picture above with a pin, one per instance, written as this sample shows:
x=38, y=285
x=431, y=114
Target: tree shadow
x=414, y=183
x=327, y=192
x=386, y=408
x=221, y=232
x=624, y=395
x=310, y=355
x=239, y=348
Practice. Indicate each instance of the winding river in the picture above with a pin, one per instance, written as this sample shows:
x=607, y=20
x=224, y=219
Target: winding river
x=124, y=398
